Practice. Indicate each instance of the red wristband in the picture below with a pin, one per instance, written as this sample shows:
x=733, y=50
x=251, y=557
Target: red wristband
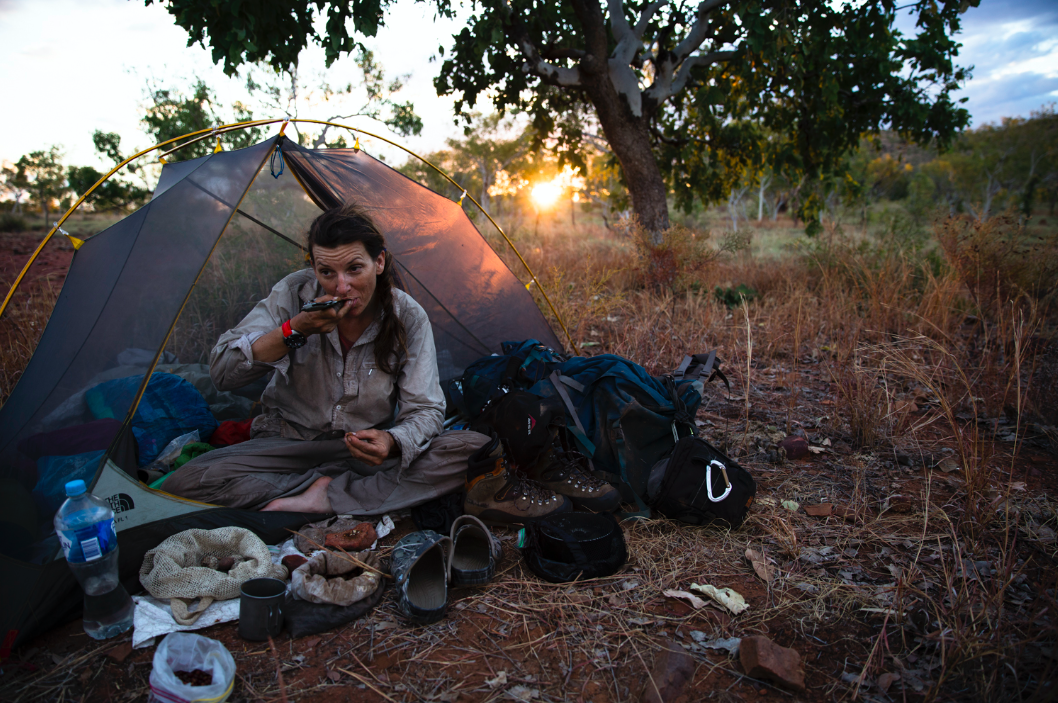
x=287, y=329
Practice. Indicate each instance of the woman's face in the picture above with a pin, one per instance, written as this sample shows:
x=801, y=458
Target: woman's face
x=348, y=272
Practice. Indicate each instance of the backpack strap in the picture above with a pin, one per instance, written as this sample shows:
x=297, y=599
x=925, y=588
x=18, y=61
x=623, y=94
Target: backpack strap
x=680, y=413
x=706, y=367
x=682, y=368
x=557, y=380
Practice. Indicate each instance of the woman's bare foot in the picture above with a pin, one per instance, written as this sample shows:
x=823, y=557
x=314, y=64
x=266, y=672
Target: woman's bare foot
x=313, y=500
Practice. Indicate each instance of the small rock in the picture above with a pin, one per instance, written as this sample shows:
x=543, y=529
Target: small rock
x=795, y=447
x=672, y=672
x=947, y=465
x=763, y=659
x=120, y=652
x=886, y=680
x=820, y=510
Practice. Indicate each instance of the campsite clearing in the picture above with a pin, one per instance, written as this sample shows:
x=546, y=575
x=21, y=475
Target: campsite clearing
x=909, y=575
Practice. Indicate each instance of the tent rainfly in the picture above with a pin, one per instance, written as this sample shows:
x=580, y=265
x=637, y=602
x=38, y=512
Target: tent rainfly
x=149, y=296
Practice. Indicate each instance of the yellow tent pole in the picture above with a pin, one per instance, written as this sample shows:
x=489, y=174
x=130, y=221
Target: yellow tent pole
x=47, y=238
x=219, y=131
x=573, y=347
x=206, y=133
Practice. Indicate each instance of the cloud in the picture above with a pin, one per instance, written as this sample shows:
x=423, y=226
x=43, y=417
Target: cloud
x=1013, y=87
x=1041, y=13
x=1018, y=53
x=1009, y=96
x=40, y=52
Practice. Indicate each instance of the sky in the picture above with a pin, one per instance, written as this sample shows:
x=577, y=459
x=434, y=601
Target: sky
x=74, y=66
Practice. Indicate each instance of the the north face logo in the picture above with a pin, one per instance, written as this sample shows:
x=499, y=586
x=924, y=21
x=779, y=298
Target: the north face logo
x=532, y=424
x=120, y=502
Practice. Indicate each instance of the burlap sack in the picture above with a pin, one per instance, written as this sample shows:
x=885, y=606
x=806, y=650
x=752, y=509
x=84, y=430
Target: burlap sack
x=319, y=580
x=174, y=568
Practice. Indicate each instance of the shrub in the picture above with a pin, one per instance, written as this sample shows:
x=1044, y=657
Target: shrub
x=12, y=223
x=732, y=297
x=676, y=261
x=999, y=261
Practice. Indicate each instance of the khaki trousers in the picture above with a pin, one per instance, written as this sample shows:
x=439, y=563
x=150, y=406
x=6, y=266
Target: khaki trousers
x=253, y=473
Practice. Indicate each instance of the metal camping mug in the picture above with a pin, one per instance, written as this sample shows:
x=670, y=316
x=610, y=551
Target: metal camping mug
x=261, y=608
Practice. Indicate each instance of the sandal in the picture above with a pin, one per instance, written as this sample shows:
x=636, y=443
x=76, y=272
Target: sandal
x=475, y=552
x=419, y=570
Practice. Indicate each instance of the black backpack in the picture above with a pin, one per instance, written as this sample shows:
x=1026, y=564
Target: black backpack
x=698, y=484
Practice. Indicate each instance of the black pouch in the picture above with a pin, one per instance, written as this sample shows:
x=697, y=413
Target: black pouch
x=571, y=546
x=698, y=484
x=527, y=423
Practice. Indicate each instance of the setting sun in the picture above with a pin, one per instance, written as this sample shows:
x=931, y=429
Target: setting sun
x=545, y=194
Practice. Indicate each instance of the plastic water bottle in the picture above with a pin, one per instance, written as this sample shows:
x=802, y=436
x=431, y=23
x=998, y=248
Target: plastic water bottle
x=85, y=526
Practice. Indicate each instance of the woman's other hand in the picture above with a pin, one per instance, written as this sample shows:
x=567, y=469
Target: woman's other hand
x=370, y=446
x=320, y=321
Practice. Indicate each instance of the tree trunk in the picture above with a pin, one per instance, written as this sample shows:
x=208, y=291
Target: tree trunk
x=764, y=183
x=629, y=137
x=646, y=186
x=484, y=185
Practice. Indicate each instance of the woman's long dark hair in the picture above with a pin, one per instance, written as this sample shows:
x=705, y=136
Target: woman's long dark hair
x=347, y=224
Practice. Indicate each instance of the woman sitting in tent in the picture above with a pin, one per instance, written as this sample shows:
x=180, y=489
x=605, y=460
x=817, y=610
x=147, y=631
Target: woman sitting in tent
x=354, y=411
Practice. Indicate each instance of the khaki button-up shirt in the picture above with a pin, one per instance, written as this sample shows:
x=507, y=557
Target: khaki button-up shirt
x=317, y=390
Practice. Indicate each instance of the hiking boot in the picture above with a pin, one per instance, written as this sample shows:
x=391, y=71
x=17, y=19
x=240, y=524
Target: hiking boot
x=499, y=496
x=566, y=473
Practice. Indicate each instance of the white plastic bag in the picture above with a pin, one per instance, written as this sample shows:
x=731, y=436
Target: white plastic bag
x=184, y=651
x=167, y=456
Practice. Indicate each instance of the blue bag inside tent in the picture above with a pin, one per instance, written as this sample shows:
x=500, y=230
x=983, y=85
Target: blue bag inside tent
x=169, y=408
x=56, y=471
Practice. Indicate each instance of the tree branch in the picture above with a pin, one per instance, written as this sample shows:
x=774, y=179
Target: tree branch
x=684, y=74
x=558, y=75
x=699, y=30
x=665, y=86
x=534, y=62
x=629, y=40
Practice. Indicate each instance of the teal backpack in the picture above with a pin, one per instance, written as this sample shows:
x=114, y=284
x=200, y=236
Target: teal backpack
x=621, y=417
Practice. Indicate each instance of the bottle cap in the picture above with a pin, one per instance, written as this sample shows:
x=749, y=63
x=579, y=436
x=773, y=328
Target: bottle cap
x=75, y=488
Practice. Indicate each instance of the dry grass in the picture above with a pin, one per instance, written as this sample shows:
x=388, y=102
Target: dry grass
x=20, y=330
x=945, y=579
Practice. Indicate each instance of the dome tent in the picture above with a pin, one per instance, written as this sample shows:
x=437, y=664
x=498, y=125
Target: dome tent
x=152, y=293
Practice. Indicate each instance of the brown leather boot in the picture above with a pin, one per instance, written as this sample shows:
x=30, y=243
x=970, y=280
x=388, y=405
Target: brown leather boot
x=497, y=495
x=567, y=473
